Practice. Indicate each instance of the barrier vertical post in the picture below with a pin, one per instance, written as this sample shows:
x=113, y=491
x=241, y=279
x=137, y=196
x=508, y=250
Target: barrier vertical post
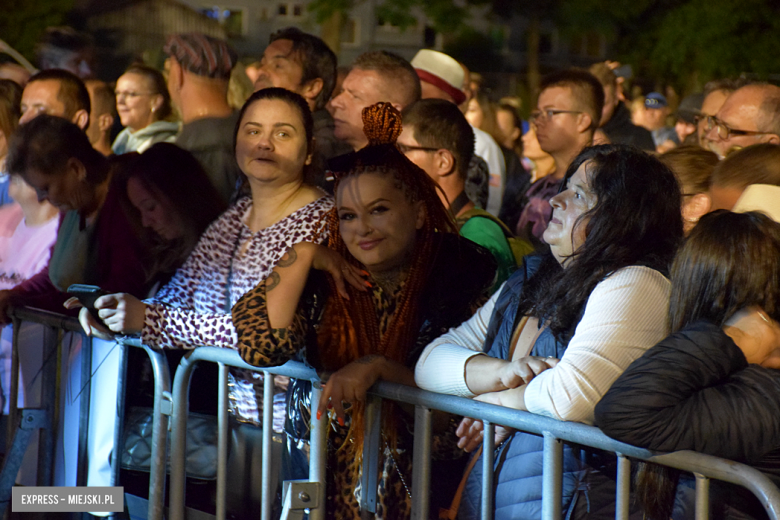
x=222, y=441
x=52, y=361
x=85, y=390
x=488, y=449
x=371, y=447
x=421, y=462
x=702, y=497
x=162, y=398
x=12, y=404
x=268, y=431
x=119, y=417
x=318, y=453
x=181, y=386
x=623, y=487
x=552, y=478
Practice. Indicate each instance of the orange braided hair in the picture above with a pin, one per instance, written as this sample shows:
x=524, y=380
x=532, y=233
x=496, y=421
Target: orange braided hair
x=349, y=329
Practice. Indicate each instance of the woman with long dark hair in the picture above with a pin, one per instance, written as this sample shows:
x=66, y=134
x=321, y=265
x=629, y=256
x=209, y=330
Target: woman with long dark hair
x=409, y=277
x=712, y=385
x=565, y=326
x=175, y=200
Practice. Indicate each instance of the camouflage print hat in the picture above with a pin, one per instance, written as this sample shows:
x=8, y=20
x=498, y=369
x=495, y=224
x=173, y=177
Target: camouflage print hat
x=202, y=55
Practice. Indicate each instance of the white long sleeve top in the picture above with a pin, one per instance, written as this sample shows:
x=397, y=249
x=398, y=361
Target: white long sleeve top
x=625, y=315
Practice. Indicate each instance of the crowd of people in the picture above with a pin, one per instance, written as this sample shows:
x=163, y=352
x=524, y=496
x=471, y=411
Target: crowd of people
x=610, y=261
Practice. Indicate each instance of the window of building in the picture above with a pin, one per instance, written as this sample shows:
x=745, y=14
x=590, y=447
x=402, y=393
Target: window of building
x=349, y=32
x=298, y=10
x=231, y=19
x=282, y=11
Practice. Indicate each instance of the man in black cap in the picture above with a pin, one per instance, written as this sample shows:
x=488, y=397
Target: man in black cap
x=198, y=74
x=688, y=114
x=615, y=117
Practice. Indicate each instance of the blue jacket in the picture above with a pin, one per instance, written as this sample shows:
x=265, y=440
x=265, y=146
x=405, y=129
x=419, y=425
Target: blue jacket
x=519, y=460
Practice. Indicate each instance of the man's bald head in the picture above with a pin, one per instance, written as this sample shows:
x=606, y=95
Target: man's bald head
x=751, y=114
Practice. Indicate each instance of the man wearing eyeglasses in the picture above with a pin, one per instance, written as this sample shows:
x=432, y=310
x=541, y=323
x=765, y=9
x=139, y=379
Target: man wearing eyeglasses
x=567, y=113
x=750, y=115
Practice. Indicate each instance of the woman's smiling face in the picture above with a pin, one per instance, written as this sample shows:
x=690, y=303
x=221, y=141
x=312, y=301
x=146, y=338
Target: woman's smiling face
x=377, y=221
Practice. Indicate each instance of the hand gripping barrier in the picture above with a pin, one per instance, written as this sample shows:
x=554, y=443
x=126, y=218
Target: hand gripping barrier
x=54, y=324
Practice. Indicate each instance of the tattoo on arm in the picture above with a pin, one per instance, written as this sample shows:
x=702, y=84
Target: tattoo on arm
x=272, y=281
x=288, y=259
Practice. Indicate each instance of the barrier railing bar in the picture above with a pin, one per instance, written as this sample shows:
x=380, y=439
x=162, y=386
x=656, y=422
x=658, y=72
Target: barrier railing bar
x=317, y=455
x=371, y=445
x=268, y=419
x=488, y=460
x=552, y=477
x=222, y=441
x=623, y=487
x=702, y=497
x=421, y=463
x=712, y=467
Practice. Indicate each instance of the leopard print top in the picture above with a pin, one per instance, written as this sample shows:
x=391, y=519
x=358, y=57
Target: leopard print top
x=193, y=309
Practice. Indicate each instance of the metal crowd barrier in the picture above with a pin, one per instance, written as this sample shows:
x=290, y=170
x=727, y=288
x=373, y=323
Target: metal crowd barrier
x=310, y=495
x=307, y=495
x=45, y=418
x=554, y=432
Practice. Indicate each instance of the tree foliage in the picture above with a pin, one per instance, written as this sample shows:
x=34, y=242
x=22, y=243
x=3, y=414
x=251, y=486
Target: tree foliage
x=23, y=21
x=667, y=40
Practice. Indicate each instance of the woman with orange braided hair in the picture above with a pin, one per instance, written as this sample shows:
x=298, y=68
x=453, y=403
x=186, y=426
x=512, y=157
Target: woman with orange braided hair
x=394, y=275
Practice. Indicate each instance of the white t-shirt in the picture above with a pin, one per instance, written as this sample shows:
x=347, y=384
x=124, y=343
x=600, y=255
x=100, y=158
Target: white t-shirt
x=26, y=252
x=487, y=148
x=625, y=315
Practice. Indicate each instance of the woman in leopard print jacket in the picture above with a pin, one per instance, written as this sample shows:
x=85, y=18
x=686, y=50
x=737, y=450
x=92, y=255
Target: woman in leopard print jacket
x=273, y=143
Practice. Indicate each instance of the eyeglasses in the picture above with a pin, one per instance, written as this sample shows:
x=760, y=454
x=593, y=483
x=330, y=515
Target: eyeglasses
x=404, y=149
x=724, y=131
x=130, y=94
x=542, y=116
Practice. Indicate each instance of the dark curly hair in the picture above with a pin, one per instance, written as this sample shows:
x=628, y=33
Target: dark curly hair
x=636, y=221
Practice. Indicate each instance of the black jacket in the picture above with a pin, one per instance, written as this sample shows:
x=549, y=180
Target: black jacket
x=621, y=130
x=696, y=391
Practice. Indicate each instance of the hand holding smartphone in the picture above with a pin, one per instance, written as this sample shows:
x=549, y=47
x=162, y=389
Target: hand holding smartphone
x=87, y=294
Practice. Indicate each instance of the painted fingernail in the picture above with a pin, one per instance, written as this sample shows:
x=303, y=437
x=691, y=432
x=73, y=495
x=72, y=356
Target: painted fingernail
x=365, y=273
x=319, y=414
x=341, y=421
x=368, y=284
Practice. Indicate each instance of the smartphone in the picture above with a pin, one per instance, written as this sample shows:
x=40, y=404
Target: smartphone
x=87, y=294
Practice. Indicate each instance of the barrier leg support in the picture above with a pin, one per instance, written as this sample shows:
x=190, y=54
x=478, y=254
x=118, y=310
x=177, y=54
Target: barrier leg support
x=552, y=486
x=31, y=421
x=372, y=445
x=623, y=487
x=702, y=497
x=488, y=449
x=318, y=454
x=421, y=463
